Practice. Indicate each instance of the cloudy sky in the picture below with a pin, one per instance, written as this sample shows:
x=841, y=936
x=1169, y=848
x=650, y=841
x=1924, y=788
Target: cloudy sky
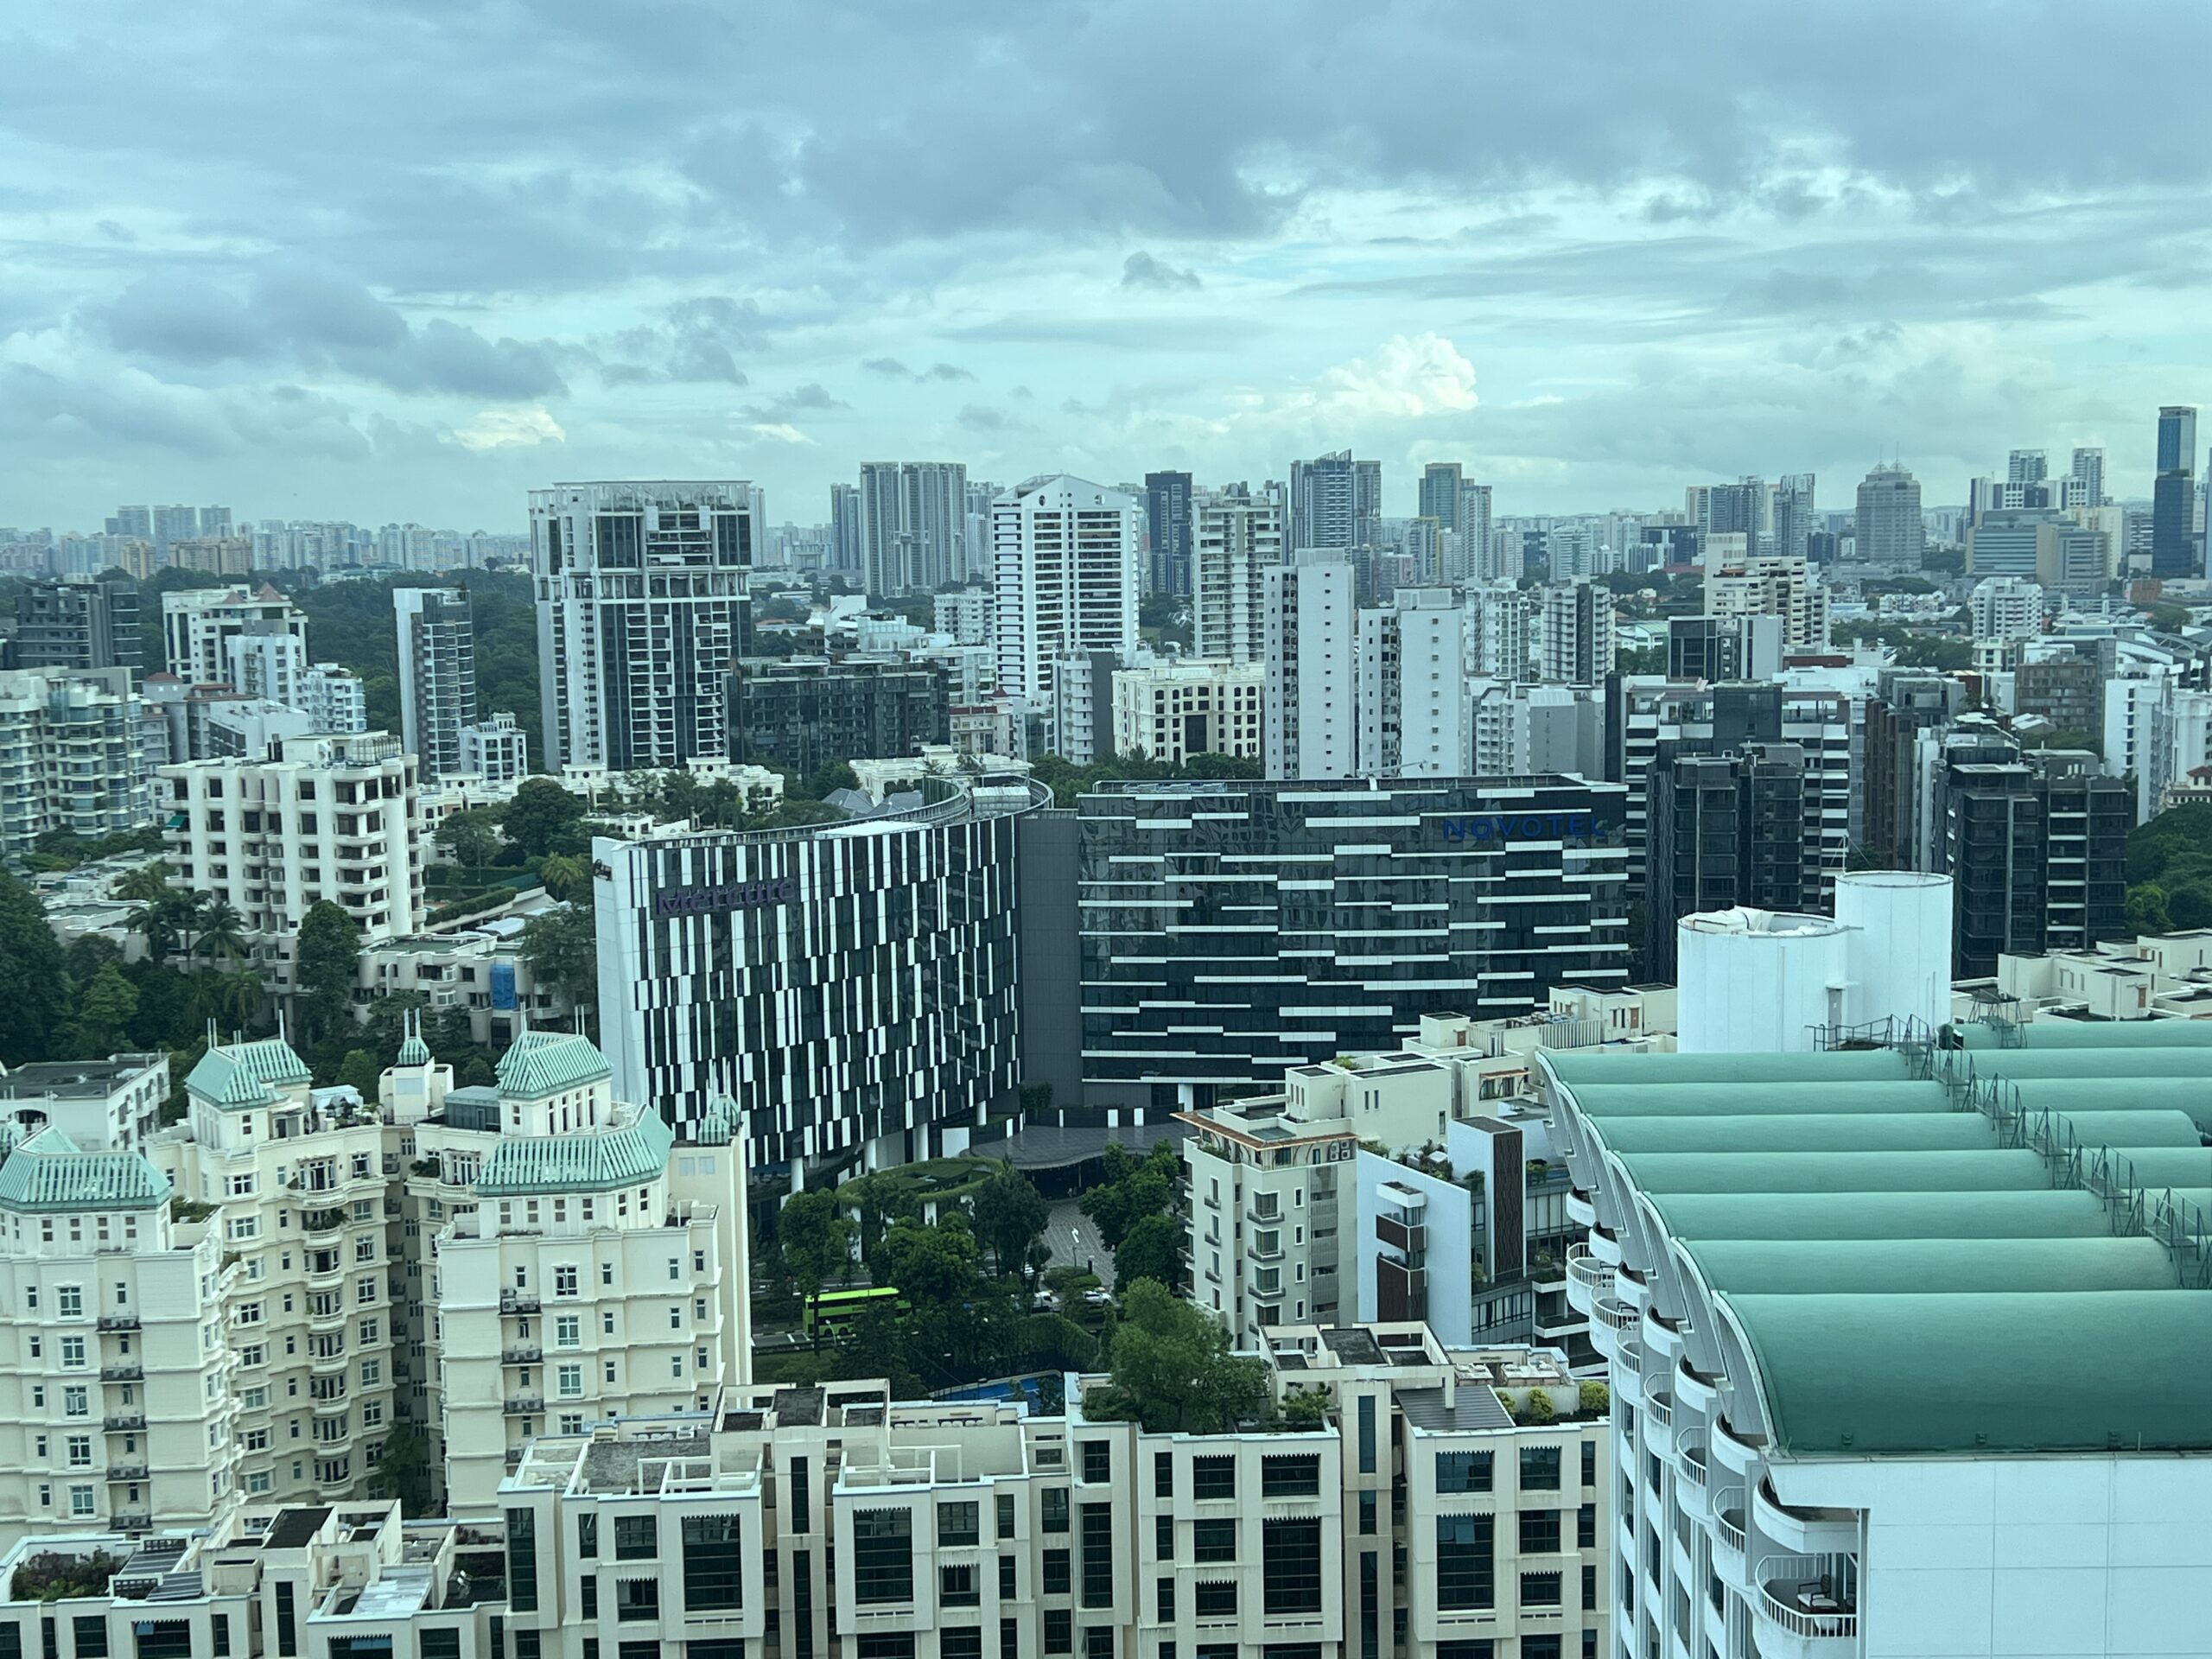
x=407, y=259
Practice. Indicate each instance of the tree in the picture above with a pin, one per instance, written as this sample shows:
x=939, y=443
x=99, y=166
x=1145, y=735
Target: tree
x=402, y=1470
x=360, y=1072
x=1172, y=1370
x=1132, y=1189
x=933, y=1267
x=815, y=1241
x=560, y=947
x=830, y=776
x=87, y=953
x=1008, y=1213
x=1594, y=1400
x=328, y=966
x=1536, y=1409
x=219, y=931
x=2147, y=910
x=145, y=884
x=472, y=837
x=566, y=875
x=543, y=817
x=103, y=1015
x=164, y=921
x=33, y=992
x=1152, y=1250
x=1307, y=1408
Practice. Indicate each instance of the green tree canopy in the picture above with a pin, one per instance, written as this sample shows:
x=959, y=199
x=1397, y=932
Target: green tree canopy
x=471, y=836
x=34, y=990
x=1132, y=1189
x=543, y=817
x=328, y=966
x=1009, y=1214
x=561, y=948
x=1172, y=1370
x=105, y=1010
x=360, y=1072
x=1152, y=1250
x=815, y=1241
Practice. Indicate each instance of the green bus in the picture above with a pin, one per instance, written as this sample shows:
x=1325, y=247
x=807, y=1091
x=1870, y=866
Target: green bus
x=834, y=1312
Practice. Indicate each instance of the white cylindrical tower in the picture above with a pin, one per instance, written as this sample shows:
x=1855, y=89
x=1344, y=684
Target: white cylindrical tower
x=1759, y=982
x=1900, y=945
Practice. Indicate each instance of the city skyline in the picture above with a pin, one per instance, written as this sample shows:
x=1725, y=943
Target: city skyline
x=1116, y=263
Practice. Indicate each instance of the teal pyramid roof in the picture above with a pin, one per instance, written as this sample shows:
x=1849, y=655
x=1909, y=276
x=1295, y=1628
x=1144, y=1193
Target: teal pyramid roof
x=632, y=1153
x=546, y=1061
x=47, y=1172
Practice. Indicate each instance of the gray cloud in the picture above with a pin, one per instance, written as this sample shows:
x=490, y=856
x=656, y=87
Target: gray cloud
x=892, y=369
x=810, y=399
x=1142, y=271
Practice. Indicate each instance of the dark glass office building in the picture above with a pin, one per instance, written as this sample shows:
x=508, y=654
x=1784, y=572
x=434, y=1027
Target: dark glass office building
x=802, y=713
x=1232, y=930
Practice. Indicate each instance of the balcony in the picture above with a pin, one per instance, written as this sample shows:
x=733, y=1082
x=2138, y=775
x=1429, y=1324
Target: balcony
x=521, y=1356
x=126, y=1472
x=1587, y=1278
x=118, y=1322
x=1728, y=1525
x=1806, y=1605
x=125, y=1422
x=122, y=1371
x=1615, y=1314
x=523, y=1406
x=1578, y=1208
x=1810, y=1531
x=518, y=1301
x=1659, y=1408
x=1691, y=1453
x=130, y=1521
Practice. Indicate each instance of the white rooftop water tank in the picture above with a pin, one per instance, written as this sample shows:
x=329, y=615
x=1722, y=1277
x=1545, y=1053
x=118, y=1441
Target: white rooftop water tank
x=1901, y=945
x=1759, y=982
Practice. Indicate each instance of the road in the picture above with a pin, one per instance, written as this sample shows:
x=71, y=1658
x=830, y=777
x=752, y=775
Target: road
x=1075, y=1241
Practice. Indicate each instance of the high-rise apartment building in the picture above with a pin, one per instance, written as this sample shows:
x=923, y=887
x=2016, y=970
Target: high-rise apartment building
x=2006, y=608
x=1795, y=520
x=802, y=713
x=1067, y=578
x=1175, y=710
x=1740, y=646
x=1477, y=555
x=174, y=525
x=218, y=556
x=2085, y=481
x=1788, y=589
x=1313, y=659
x=1726, y=829
x=1441, y=484
x=1415, y=703
x=333, y=699
x=1504, y=631
x=1333, y=501
x=1888, y=532
x=2173, y=494
x=641, y=612
x=437, y=675
x=847, y=535
x=328, y=818
x=913, y=526
x=134, y=522
x=1235, y=538
x=71, y=754
x=1737, y=509
x=495, y=749
x=78, y=622
x=198, y=625
x=1576, y=645
x=1168, y=531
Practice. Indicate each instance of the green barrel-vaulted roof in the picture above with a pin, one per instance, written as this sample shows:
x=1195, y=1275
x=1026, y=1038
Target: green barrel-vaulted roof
x=1808, y=1131
x=2094, y=1034
x=1628, y=1099
x=1869, y=1065
x=2128, y=1128
x=1998, y=1372
x=2163, y=1166
x=1838, y=1171
x=1936, y=1216
x=629, y=1155
x=48, y=1174
x=2192, y=1096
x=1865, y=1267
x=2089, y=1064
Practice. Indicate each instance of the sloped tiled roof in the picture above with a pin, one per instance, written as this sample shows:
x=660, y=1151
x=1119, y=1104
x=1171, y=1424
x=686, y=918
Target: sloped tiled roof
x=545, y=1062
x=47, y=1172
x=221, y=1078
x=632, y=1153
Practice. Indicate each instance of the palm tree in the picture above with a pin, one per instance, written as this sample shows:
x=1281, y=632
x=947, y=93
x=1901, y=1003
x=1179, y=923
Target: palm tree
x=245, y=988
x=564, y=875
x=222, y=929
x=164, y=921
x=145, y=884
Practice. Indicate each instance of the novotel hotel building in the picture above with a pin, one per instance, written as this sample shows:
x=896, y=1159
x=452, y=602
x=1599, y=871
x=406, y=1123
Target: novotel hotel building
x=849, y=988
x=1230, y=930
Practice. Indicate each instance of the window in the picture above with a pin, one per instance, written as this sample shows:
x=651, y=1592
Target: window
x=1213, y=1540
x=1214, y=1598
x=1367, y=1514
x=568, y=1332
x=1290, y=1566
x=1589, y=1463
x=569, y=1381
x=1059, y=1630
x=967, y=1643
x=883, y=1556
x=522, y=1561
x=589, y=1586
x=1163, y=1537
x=1097, y=1463
x=1098, y=1642
x=637, y=1537
x=440, y=1644
x=1098, y=1554
x=70, y=1305
x=1590, y=1588
x=72, y=1352
x=90, y=1632
x=1463, y=1471
x=81, y=1501
x=1056, y=1509
x=564, y=1282
x=1465, y=1650
x=1163, y=1474
x=714, y=1577
x=637, y=1600
x=959, y=1523
x=1213, y=1478
x=1465, y=1564
x=1008, y=1588
x=587, y=1535
x=1005, y=1507
x=1586, y=1527
x=1291, y=1476
x=1057, y=1578
x=956, y=1586
x=1541, y=1647
x=1540, y=1468
x=1540, y=1532
x=1163, y=1599
x=1366, y=1433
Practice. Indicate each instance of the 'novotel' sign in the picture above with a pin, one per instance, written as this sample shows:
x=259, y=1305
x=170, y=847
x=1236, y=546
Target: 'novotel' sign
x=728, y=895
x=1521, y=826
